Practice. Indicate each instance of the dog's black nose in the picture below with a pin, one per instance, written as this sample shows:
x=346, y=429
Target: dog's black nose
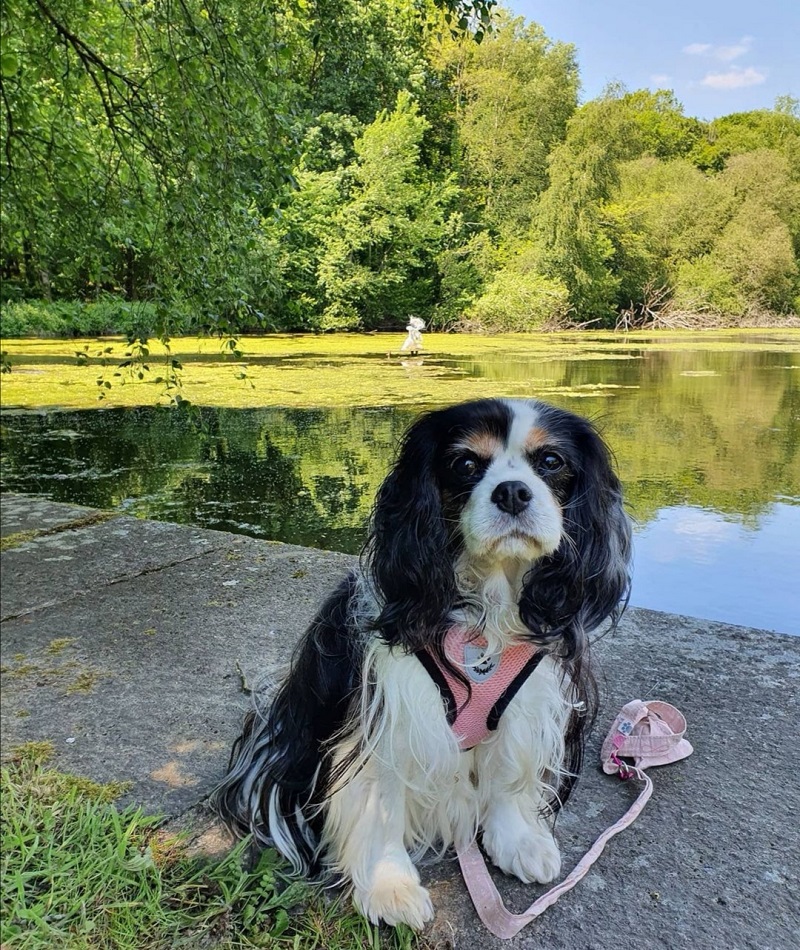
x=512, y=497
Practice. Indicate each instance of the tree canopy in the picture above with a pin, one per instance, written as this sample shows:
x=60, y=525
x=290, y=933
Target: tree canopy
x=330, y=164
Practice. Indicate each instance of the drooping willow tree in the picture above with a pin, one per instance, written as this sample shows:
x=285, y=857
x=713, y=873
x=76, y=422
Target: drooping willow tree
x=145, y=142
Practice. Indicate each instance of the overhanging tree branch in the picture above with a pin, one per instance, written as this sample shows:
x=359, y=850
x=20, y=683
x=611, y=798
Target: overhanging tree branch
x=85, y=52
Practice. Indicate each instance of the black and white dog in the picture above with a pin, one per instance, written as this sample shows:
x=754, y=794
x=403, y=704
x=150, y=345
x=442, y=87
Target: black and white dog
x=445, y=687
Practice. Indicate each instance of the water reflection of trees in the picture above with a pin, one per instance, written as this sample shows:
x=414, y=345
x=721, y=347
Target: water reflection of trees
x=712, y=429
x=305, y=477
x=308, y=477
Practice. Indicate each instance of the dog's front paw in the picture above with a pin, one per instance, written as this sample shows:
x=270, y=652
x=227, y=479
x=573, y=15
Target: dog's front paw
x=529, y=852
x=396, y=897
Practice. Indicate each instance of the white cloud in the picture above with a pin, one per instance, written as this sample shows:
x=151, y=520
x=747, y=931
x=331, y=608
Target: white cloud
x=735, y=78
x=697, y=49
x=725, y=54
x=729, y=53
x=661, y=79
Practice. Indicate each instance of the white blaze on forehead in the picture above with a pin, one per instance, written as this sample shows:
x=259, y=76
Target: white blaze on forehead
x=525, y=417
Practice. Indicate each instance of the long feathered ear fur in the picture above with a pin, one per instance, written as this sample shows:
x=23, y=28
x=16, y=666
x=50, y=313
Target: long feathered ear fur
x=280, y=767
x=586, y=580
x=583, y=583
x=409, y=556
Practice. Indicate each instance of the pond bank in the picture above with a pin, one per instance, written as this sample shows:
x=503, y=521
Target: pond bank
x=129, y=644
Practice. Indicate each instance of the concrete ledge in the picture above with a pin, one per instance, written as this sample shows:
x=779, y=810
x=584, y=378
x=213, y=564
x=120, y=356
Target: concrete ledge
x=21, y=513
x=128, y=644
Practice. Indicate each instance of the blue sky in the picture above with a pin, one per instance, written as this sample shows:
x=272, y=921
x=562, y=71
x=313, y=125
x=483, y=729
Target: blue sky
x=719, y=56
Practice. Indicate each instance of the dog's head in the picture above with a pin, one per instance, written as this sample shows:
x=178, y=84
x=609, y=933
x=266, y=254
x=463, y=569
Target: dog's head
x=500, y=483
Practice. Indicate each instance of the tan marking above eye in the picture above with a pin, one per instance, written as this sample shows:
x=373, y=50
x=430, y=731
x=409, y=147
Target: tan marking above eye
x=483, y=444
x=537, y=438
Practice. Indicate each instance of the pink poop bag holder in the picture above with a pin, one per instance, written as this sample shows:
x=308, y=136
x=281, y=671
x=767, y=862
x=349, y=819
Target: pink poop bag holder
x=650, y=733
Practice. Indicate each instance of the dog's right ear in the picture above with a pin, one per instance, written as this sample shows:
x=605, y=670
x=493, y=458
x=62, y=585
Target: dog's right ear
x=408, y=556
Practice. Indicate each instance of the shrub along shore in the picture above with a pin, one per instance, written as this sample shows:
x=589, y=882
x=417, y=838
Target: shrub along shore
x=114, y=316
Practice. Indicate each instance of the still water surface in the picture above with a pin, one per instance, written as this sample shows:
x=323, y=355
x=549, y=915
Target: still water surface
x=707, y=442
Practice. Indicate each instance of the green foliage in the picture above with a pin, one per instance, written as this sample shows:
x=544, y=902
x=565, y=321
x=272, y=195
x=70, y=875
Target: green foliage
x=769, y=178
x=356, y=56
x=144, y=142
x=348, y=163
x=777, y=129
x=376, y=266
x=660, y=214
x=752, y=266
x=518, y=301
x=300, y=232
x=702, y=286
x=516, y=92
x=659, y=127
x=462, y=268
x=632, y=124
x=576, y=230
x=569, y=232
x=755, y=248
x=724, y=243
x=107, y=316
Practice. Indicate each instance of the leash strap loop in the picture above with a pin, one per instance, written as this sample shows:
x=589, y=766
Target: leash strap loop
x=652, y=733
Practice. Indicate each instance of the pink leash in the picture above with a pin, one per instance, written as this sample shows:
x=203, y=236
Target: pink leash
x=649, y=733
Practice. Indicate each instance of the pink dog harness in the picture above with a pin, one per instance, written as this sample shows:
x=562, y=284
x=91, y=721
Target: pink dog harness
x=494, y=681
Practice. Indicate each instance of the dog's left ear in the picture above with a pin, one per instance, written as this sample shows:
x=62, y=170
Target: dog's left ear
x=587, y=579
x=408, y=556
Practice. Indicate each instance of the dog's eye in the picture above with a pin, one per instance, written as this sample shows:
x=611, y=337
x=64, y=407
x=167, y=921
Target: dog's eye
x=464, y=465
x=551, y=463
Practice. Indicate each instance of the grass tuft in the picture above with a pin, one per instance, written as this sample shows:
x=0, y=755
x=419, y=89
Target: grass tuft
x=32, y=753
x=79, y=873
x=84, y=682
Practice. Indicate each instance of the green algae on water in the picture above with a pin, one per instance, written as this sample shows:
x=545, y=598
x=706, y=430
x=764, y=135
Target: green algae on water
x=308, y=371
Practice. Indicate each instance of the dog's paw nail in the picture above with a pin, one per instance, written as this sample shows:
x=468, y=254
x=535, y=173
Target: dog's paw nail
x=396, y=899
